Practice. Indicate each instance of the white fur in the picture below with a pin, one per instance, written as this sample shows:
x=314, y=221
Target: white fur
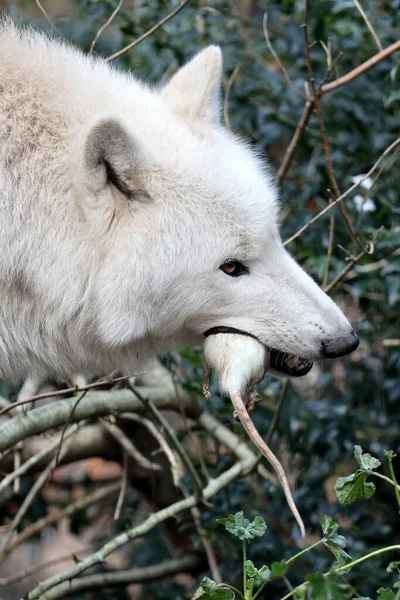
x=96, y=276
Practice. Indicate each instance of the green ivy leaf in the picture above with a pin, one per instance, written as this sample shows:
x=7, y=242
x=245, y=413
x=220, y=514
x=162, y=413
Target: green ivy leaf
x=393, y=566
x=209, y=590
x=278, y=570
x=259, y=576
x=366, y=461
x=326, y=588
x=334, y=541
x=351, y=488
x=385, y=594
x=240, y=527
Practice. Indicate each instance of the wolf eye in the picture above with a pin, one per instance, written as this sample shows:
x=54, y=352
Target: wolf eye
x=234, y=268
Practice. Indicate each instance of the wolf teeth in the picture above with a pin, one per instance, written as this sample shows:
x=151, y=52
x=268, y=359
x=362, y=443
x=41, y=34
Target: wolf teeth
x=292, y=362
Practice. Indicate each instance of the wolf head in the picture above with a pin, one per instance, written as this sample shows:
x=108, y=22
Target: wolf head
x=186, y=215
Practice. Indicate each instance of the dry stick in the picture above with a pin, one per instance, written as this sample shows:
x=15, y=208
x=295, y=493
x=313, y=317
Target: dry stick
x=212, y=488
x=67, y=423
x=287, y=159
x=327, y=289
x=365, y=66
x=123, y=578
x=172, y=437
x=269, y=455
x=277, y=412
x=101, y=383
x=128, y=446
x=148, y=33
x=325, y=142
x=368, y=24
x=86, y=500
x=344, y=195
x=39, y=483
x=106, y=24
x=41, y=7
x=330, y=248
x=271, y=48
x=28, y=464
x=5, y=581
x=176, y=466
x=124, y=484
x=326, y=88
x=231, y=79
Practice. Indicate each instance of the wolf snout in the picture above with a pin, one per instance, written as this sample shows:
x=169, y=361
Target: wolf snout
x=340, y=345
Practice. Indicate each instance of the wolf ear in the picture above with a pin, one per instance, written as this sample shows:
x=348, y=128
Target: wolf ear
x=108, y=154
x=193, y=91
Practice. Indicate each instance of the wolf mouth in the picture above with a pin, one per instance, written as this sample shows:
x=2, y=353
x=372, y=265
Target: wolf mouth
x=282, y=362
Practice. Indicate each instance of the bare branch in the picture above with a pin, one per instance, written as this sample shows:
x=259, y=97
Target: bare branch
x=56, y=515
x=96, y=404
x=175, y=464
x=326, y=88
x=106, y=24
x=344, y=195
x=365, y=66
x=129, y=447
x=35, y=489
x=100, y=581
x=325, y=142
x=213, y=487
x=368, y=24
x=271, y=48
x=53, y=394
x=148, y=33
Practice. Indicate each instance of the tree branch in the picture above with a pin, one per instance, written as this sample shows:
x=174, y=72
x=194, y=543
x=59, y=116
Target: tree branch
x=213, y=487
x=95, y=404
x=100, y=581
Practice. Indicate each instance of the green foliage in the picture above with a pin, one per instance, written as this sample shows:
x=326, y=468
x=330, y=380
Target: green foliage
x=240, y=527
x=334, y=541
x=355, y=486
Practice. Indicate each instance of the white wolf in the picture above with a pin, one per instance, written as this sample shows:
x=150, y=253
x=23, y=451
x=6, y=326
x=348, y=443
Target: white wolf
x=132, y=222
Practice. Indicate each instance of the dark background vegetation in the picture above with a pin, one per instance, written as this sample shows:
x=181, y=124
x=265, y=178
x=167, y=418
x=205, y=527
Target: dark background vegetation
x=354, y=400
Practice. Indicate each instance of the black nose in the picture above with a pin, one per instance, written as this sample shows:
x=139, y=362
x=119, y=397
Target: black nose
x=335, y=347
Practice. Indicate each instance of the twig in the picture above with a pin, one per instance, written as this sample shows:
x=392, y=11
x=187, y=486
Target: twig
x=326, y=88
x=277, y=413
x=274, y=54
x=27, y=465
x=176, y=465
x=129, y=447
x=27, y=572
x=97, y=404
x=344, y=195
x=37, y=486
x=91, y=386
x=41, y=7
x=172, y=437
x=231, y=79
x=330, y=249
x=269, y=455
x=101, y=581
x=212, y=488
x=365, y=66
x=106, y=24
x=148, y=33
x=56, y=515
x=298, y=134
x=122, y=491
x=368, y=24
x=325, y=142
x=71, y=414
x=331, y=286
